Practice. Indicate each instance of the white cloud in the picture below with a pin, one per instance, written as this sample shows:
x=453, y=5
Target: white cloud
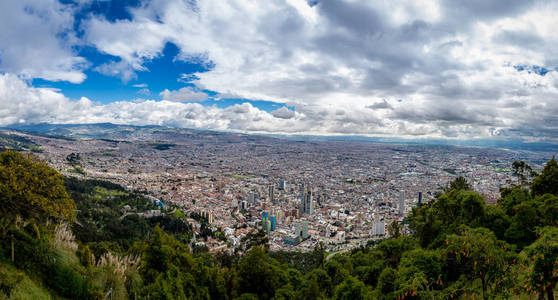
x=121, y=69
x=183, y=94
x=283, y=113
x=144, y=91
x=452, y=64
x=21, y=103
x=36, y=39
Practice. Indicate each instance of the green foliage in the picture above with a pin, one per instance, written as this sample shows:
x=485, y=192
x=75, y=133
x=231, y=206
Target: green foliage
x=542, y=273
x=351, y=289
x=8, y=281
x=458, y=184
x=18, y=143
x=460, y=248
x=547, y=181
x=32, y=190
x=66, y=281
x=480, y=256
x=387, y=281
x=394, y=229
x=101, y=220
x=258, y=274
x=15, y=284
x=522, y=170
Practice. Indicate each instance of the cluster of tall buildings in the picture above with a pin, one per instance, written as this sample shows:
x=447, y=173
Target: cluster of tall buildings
x=300, y=234
x=269, y=222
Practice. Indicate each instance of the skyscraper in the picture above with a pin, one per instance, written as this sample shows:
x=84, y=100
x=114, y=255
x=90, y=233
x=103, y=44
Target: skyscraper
x=301, y=230
x=306, y=202
x=282, y=185
x=309, y=202
x=378, y=228
x=302, y=199
x=270, y=194
x=401, y=204
x=419, y=198
x=273, y=220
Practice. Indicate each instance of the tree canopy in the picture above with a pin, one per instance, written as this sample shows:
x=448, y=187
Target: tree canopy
x=32, y=190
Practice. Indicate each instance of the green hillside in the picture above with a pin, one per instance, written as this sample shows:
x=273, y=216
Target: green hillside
x=64, y=238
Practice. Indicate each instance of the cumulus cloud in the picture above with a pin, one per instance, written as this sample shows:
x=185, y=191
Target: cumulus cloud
x=144, y=91
x=121, y=69
x=451, y=62
x=283, y=113
x=466, y=69
x=380, y=105
x=184, y=94
x=36, y=41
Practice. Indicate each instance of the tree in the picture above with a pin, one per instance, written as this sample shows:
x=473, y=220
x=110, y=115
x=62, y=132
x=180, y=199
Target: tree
x=425, y=224
x=257, y=274
x=547, y=181
x=549, y=209
x=521, y=170
x=255, y=239
x=543, y=271
x=32, y=190
x=481, y=256
x=458, y=184
x=510, y=197
x=394, y=229
x=420, y=272
x=386, y=281
x=351, y=288
x=522, y=228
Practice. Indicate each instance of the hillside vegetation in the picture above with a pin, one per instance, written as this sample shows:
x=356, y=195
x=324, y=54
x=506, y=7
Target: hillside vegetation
x=63, y=238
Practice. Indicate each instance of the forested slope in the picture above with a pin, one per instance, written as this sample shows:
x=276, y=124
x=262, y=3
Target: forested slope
x=66, y=238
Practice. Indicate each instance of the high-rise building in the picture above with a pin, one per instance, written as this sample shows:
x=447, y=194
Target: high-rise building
x=419, y=198
x=305, y=234
x=252, y=198
x=309, y=202
x=401, y=204
x=270, y=194
x=378, y=228
x=282, y=185
x=301, y=230
x=306, y=201
x=302, y=199
x=273, y=220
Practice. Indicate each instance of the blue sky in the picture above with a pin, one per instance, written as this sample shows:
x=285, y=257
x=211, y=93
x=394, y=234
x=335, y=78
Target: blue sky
x=162, y=72
x=410, y=69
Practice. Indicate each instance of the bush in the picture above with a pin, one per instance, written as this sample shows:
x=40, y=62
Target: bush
x=66, y=281
x=8, y=281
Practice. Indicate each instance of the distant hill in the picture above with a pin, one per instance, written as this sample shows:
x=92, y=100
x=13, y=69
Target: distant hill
x=138, y=133
x=15, y=142
x=174, y=134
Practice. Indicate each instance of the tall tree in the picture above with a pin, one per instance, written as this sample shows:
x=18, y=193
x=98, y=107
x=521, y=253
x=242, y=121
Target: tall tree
x=547, y=181
x=31, y=190
x=543, y=271
x=480, y=256
x=522, y=170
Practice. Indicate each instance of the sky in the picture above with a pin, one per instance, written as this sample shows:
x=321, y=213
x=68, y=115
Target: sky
x=450, y=69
